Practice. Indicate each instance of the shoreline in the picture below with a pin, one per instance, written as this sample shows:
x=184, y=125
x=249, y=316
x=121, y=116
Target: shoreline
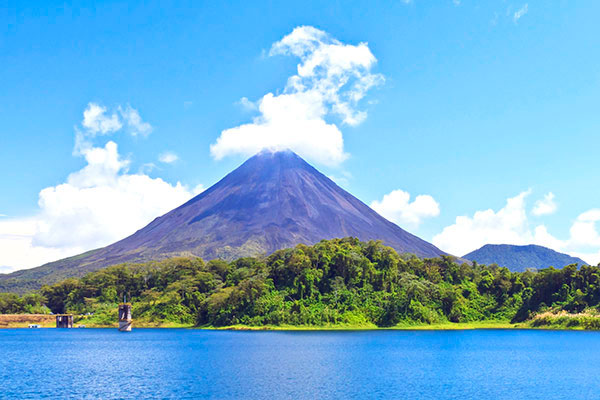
x=22, y=321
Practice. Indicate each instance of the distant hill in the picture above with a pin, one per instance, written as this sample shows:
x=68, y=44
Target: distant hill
x=519, y=258
x=273, y=201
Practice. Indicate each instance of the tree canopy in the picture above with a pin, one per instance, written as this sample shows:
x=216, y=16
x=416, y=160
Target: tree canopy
x=339, y=281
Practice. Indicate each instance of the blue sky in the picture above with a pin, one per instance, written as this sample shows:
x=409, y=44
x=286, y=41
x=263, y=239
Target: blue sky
x=472, y=104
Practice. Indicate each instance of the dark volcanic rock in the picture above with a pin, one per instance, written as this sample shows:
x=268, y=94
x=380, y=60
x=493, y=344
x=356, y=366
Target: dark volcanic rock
x=272, y=201
x=519, y=258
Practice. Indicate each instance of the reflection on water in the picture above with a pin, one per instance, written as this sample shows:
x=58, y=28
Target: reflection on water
x=171, y=363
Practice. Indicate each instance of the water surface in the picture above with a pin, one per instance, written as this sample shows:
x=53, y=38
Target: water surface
x=192, y=364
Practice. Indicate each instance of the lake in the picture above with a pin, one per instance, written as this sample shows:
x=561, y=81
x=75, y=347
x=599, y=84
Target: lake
x=192, y=364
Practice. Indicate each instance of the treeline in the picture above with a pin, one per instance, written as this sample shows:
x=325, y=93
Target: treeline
x=32, y=303
x=340, y=281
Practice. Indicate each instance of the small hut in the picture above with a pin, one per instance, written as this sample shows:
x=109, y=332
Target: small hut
x=64, y=321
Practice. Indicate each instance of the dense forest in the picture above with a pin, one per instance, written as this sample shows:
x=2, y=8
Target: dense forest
x=335, y=282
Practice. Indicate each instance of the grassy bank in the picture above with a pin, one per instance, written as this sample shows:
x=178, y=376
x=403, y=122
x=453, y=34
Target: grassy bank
x=547, y=320
x=463, y=326
x=433, y=327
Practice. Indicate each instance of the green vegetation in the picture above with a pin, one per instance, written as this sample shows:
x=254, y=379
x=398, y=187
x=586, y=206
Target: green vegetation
x=340, y=283
x=32, y=303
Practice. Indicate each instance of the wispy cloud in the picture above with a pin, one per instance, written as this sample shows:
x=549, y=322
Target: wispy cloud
x=134, y=122
x=168, y=157
x=146, y=168
x=247, y=104
x=520, y=13
x=342, y=179
x=455, y=2
x=494, y=21
x=97, y=120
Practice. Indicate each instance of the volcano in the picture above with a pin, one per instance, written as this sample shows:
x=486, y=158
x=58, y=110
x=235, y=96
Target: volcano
x=274, y=200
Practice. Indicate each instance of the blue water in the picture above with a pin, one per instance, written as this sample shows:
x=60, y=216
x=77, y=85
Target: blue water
x=193, y=364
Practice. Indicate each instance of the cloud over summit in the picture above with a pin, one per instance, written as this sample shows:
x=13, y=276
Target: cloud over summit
x=331, y=79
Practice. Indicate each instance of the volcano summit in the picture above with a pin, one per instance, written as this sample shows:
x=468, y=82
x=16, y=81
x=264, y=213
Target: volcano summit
x=272, y=201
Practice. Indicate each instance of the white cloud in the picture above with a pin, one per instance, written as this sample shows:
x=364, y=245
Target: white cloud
x=332, y=78
x=16, y=250
x=397, y=207
x=585, y=235
x=343, y=179
x=520, y=13
x=102, y=202
x=134, y=122
x=247, y=104
x=168, y=157
x=95, y=206
x=199, y=188
x=146, y=168
x=583, y=231
x=545, y=206
x=95, y=120
x=510, y=225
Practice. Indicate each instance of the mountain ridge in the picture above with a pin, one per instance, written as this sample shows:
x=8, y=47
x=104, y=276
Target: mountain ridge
x=518, y=258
